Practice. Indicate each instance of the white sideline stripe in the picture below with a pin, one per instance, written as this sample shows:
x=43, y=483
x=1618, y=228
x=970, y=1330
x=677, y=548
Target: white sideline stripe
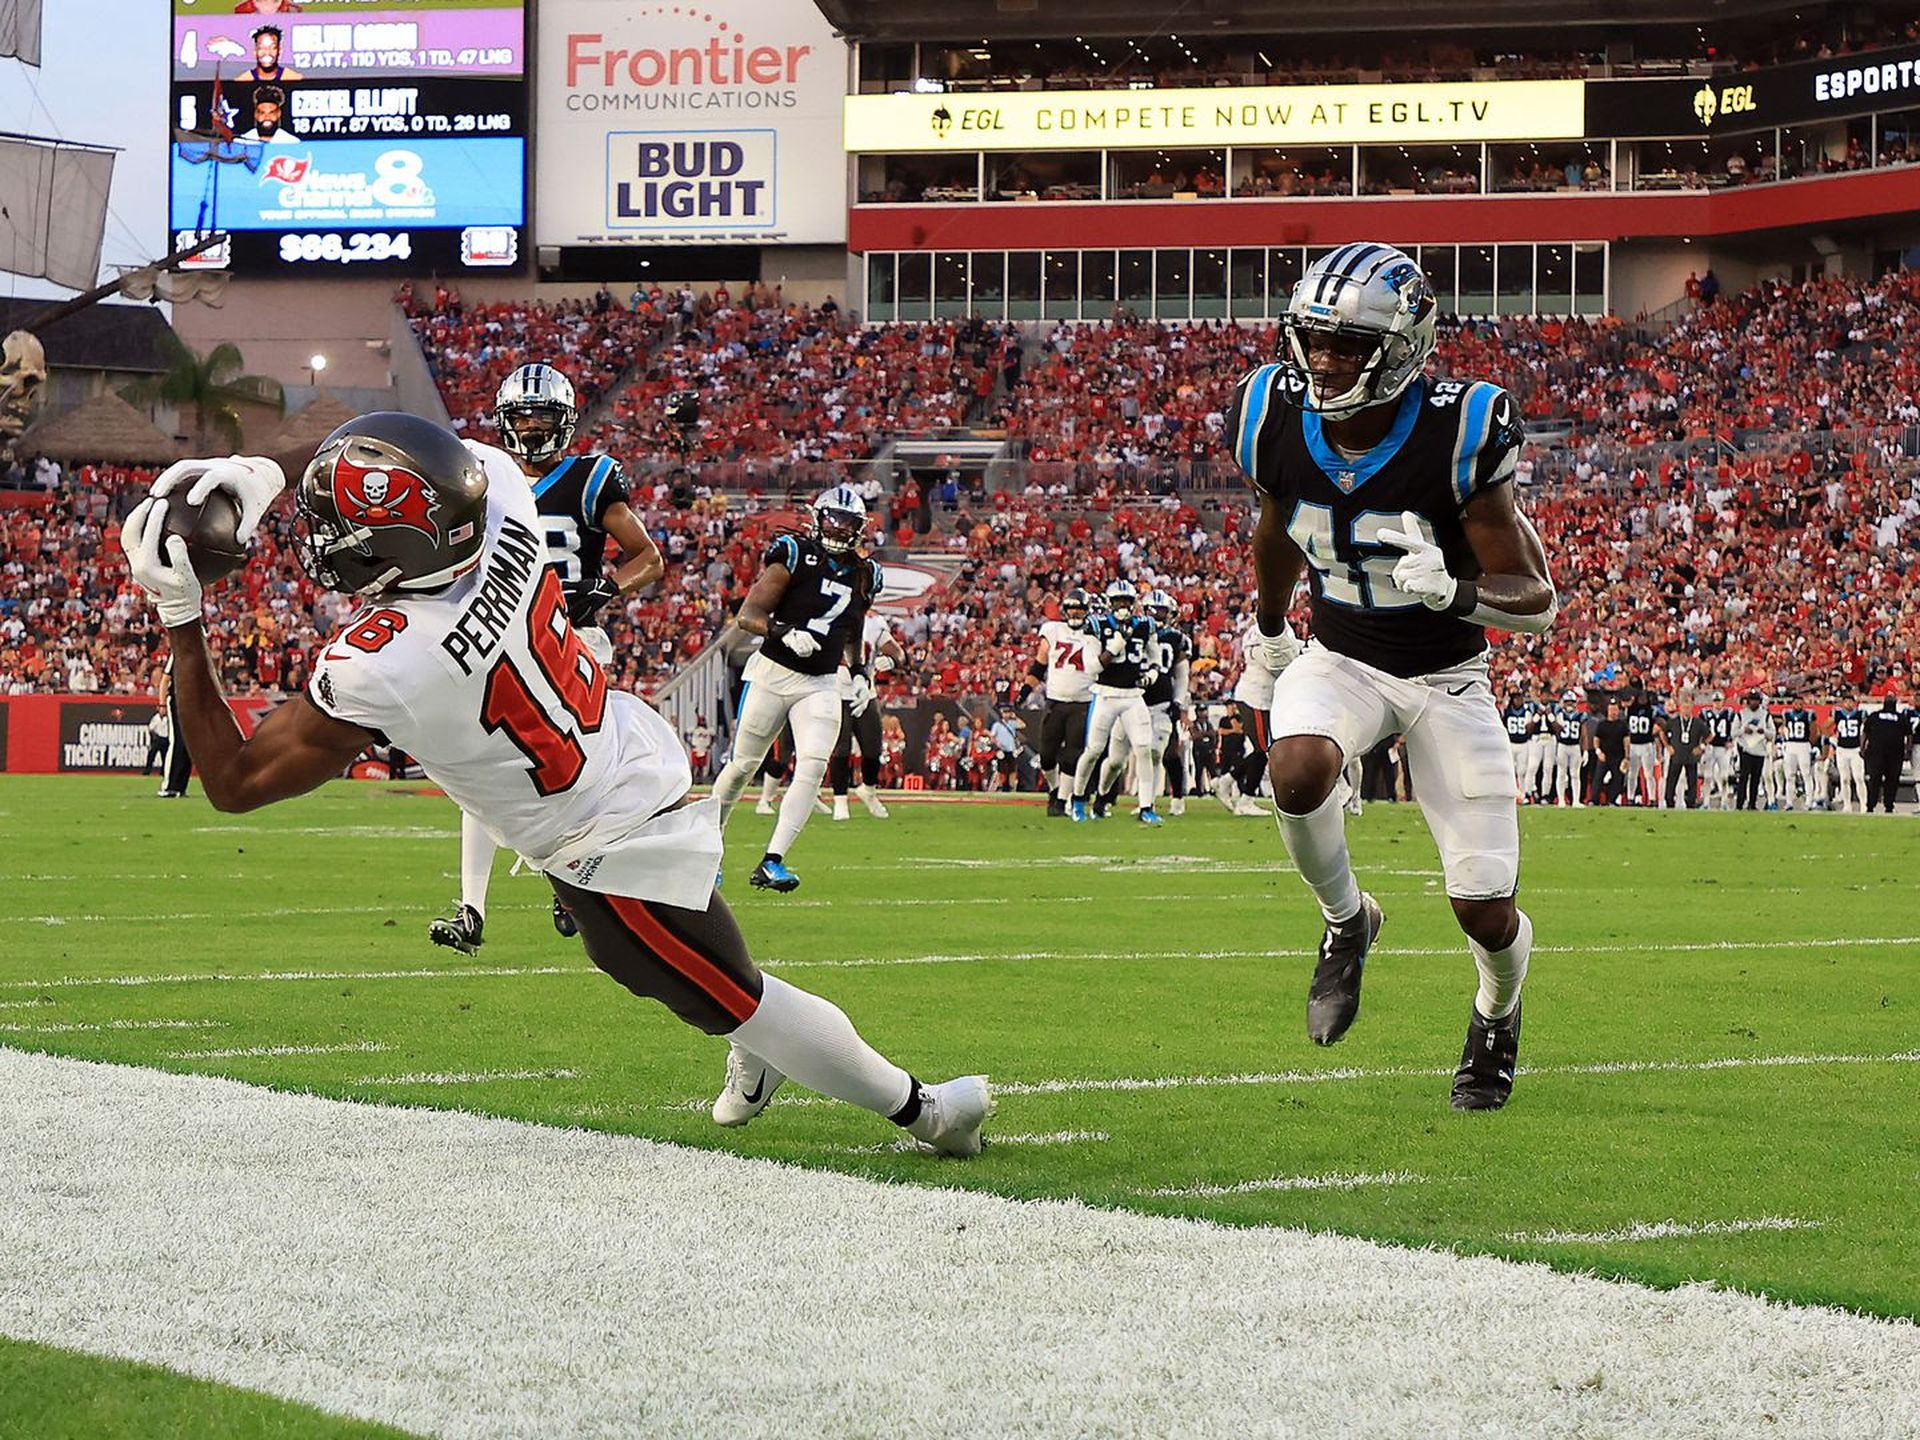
x=1337, y=1180
x=71, y=1027
x=1392, y=1072
x=1662, y=1230
x=306, y=1254
x=463, y=1077
x=344, y=832
x=282, y=912
x=1052, y=1137
x=357, y=1047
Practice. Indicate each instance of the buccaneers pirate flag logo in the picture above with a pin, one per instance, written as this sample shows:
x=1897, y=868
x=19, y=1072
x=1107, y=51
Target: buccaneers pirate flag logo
x=389, y=496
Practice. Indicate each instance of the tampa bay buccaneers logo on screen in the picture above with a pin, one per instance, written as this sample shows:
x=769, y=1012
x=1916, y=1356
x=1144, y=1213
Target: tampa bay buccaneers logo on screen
x=389, y=496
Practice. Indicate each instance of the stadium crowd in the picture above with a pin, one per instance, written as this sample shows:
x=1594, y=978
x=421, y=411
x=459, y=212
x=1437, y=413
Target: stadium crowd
x=1690, y=567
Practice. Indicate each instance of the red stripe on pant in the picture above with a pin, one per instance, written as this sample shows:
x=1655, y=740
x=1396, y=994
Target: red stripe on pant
x=646, y=927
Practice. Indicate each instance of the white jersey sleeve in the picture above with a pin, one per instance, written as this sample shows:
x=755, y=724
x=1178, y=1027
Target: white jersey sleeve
x=1073, y=662
x=496, y=696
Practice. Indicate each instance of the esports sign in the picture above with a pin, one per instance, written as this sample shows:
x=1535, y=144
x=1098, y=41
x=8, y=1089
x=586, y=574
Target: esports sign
x=1800, y=94
x=347, y=136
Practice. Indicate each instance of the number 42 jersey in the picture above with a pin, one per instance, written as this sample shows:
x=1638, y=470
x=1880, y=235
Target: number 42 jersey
x=492, y=691
x=1449, y=441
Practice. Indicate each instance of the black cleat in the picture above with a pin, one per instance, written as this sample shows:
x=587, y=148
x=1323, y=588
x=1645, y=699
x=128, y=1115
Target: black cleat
x=1056, y=808
x=1484, y=1080
x=1333, y=1001
x=773, y=875
x=458, y=931
x=563, y=920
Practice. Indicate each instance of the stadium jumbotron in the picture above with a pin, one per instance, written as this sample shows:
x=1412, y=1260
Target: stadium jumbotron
x=710, y=714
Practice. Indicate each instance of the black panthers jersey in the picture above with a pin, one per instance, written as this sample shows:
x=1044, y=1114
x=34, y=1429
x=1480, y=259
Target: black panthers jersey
x=828, y=595
x=1519, y=722
x=1567, y=726
x=1640, y=724
x=1720, y=724
x=1796, y=727
x=1847, y=725
x=1132, y=668
x=1449, y=441
x=1175, y=645
x=573, y=499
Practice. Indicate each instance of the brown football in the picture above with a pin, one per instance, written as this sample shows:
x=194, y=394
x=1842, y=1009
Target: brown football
x=208, y=529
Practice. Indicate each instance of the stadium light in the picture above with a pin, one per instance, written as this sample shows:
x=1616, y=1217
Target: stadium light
x=316, y=365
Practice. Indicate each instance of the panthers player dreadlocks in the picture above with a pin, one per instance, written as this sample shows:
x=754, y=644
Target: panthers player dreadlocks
x=582, y=500
x=809, y=604
x=1390, y=493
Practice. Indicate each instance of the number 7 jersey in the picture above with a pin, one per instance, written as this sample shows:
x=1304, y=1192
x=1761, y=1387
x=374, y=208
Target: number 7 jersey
x=1449, y=441
x=492, y=691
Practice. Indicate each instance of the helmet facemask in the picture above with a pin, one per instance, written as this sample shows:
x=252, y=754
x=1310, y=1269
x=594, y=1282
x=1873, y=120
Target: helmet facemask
x=1378, y=308
x=535, y=431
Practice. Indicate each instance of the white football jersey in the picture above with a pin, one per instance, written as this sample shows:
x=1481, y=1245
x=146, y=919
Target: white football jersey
x=489, y=688
x=1072, y=662
x=872, y=631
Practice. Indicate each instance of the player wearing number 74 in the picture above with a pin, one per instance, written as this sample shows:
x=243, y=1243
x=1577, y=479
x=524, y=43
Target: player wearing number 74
x=1390, y=492
x=463, y=656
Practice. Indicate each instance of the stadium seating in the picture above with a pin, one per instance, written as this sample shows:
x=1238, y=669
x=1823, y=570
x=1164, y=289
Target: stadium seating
x=1641, y=498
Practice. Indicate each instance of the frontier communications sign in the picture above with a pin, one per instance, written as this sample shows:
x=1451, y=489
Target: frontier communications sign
x=1255, y=115
x=685, y=124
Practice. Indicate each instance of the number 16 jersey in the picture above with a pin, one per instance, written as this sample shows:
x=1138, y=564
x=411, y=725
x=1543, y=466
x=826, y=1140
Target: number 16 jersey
x=492, y=691
x=1448, y=442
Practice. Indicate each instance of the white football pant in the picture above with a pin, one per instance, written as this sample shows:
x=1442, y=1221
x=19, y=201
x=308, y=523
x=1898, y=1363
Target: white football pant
x=774, y=698
x=1851, y=793
x=1125, y=712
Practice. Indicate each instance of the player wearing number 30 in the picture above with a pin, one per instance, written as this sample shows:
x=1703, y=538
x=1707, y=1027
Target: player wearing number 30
x=1390, y=493
x=809, y=601
x=462, y=655
x=582, y=500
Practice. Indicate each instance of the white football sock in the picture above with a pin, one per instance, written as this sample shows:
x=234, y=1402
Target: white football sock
x=476, y=863
x=813, y=1041
x=1317, y=845
x=1146, y=776
x=1502, y=972
x=797, y=804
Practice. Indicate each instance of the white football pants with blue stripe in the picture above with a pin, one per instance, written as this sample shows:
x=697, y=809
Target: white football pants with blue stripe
x=1126, y=711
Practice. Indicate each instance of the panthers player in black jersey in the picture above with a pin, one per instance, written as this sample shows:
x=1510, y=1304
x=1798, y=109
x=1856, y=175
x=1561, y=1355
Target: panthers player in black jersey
x=1168, y=697
x=1850, y=788
x=582, y=500
x=1390, y=493
x=1127, y=646
x=1644, y=777
x=809, y=603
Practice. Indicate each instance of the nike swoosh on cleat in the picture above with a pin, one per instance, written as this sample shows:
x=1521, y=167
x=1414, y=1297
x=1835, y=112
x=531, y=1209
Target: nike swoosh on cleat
x=752, y=1097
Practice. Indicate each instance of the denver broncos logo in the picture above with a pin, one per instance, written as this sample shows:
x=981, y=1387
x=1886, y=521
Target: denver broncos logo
x=390, y=496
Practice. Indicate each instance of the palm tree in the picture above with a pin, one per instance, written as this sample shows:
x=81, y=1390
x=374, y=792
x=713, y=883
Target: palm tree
x=215, y=385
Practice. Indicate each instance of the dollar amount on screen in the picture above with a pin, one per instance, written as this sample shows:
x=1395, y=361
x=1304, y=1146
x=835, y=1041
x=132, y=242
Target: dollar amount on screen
x=346, y=249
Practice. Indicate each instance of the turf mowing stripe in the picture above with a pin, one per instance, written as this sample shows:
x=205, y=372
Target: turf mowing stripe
x=1052, y=1137
x=1338, y=1180
x=311, y=1258
x=452, y=972
x=357, y=1047
x=1663, y=1230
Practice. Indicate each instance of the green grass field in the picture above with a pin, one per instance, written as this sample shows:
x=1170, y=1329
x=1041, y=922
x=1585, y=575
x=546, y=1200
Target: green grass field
x=1721, y=1019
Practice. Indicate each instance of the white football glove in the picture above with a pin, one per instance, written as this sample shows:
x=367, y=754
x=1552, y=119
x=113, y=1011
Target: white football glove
x=862, y=694
x=801, y=643
x=165, y=574
x=1116, y=645
x=253, y=481
x=882, y=664
x=1272, y=653
x=1422, y=571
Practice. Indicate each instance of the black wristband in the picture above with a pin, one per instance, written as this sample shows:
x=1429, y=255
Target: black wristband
x=1466, y=598
x=1037, y=670
x=777, y=628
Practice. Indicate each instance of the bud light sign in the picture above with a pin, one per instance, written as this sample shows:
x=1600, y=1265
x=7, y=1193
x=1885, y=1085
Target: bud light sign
x=692, y=182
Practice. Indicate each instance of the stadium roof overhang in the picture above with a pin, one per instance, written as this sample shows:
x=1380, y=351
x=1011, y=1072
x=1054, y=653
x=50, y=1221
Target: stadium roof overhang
x=976, y=20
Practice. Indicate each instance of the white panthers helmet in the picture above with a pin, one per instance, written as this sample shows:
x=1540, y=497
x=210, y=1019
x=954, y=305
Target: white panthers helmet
x=543, y=394
x=839, y=519
x=1122, y=598
x=1160, y=606
x=1372, y=293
